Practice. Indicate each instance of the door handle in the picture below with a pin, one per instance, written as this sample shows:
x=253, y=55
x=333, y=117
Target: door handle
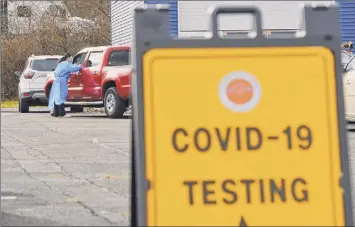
x=347, y=82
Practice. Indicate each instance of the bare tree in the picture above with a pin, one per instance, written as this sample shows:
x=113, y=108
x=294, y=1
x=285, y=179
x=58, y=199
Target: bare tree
x=51, y=32
x=96, y=10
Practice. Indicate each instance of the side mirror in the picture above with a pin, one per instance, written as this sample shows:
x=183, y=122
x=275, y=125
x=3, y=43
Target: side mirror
x=18, y=73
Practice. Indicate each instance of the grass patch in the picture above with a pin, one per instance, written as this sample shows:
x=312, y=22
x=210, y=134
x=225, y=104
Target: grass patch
x=12, y=104
x=9, y=104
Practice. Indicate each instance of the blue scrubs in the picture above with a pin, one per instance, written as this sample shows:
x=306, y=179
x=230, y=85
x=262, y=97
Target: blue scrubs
x=59, y=90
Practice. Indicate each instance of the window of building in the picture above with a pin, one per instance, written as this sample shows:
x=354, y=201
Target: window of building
x=3, y=17
x=24, y=11
x=57, y=11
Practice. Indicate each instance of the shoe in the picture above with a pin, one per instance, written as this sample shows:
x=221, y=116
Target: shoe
x=56, y=110
x=61, y=110
x=52, y=113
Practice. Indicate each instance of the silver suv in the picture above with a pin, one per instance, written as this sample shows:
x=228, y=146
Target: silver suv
x=32, y=80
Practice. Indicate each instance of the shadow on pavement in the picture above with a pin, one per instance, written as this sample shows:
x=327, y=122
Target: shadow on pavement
x=39, y=111
x=5, y=193
x=97, y=116
x=8, y=219
x=16, y=111
x=87, y=116
x=16, y=220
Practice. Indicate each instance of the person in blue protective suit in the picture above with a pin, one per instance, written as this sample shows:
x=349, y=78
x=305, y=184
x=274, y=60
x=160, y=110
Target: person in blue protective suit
x=59, y=91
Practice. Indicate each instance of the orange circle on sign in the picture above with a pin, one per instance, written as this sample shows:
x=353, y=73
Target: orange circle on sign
x=239, y=91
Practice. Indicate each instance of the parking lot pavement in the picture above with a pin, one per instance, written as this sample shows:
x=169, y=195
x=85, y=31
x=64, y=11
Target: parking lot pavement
x=64, y=171
x=72, y=170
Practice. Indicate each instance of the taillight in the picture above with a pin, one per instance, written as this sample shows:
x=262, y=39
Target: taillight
x=28, y=75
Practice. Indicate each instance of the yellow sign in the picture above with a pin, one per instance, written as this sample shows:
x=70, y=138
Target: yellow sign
x=255, y=141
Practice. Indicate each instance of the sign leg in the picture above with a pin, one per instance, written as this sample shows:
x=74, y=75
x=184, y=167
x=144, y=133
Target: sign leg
x=133, y=183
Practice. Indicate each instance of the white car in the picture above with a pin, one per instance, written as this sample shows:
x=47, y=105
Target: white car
x=32, y=80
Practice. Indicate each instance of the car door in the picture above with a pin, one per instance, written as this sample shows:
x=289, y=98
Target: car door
x=74, y=84
x=349, y=89
x=90, y=77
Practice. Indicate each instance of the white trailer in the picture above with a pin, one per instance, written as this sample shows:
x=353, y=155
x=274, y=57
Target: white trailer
x=190, y=18
x=22, y=17
x=277, y=16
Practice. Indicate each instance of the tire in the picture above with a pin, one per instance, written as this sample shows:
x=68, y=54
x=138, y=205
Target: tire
x=23, y=106
x=114, y=106
x=76, y=109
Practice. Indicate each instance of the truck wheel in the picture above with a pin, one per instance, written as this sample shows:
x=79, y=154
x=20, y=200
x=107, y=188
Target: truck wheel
x=76, y=109
x=114, y=105
x=23, y=106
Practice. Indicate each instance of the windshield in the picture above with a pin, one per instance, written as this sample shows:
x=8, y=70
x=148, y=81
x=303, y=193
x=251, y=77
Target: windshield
x=44, y=64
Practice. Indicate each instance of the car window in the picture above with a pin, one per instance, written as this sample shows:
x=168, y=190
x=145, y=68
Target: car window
x=44, y=64
x=79, y=59
x=118, y=58
x=95, y=59
x=350, y=65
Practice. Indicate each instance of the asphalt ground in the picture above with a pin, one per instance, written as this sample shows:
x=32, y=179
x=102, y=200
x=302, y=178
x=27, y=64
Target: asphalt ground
x=64, y=171
x=72, y=170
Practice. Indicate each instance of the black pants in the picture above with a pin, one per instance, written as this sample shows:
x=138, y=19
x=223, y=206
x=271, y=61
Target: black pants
x=59, y=110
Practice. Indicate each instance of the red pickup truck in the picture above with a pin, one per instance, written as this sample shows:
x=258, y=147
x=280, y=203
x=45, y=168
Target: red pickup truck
x=104, y=81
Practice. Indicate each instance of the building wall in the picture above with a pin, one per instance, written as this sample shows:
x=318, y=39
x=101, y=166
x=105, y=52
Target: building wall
x=173, y=14
x=347, y=20
x=190, y=18
x=276, y=15
x=122, y=21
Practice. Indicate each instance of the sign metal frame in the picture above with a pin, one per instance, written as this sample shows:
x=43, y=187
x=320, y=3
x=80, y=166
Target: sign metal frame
x=151, y=31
